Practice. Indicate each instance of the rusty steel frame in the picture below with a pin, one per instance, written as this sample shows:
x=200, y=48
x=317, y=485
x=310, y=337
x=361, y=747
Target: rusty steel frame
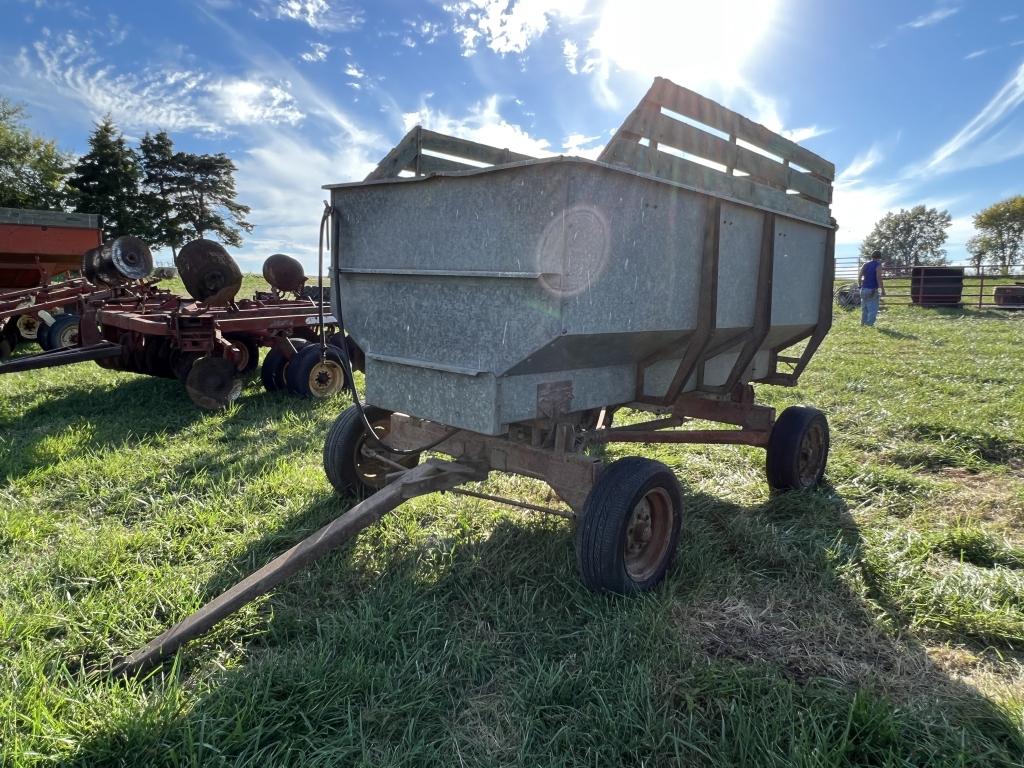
x=560, y=460
x=31, y=301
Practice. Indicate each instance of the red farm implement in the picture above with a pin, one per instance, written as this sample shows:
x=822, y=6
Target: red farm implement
x=211, y=343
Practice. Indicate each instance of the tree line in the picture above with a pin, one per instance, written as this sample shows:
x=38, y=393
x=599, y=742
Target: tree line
x=165, y=196
x=916, y=236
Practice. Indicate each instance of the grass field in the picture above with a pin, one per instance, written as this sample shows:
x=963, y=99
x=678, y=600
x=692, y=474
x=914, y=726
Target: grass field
x=878, y=621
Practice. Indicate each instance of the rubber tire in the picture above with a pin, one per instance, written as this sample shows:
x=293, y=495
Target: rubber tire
x=275, y=364
x=340, y=446
x=43, y=336
x=297, y=372
x=782, y=463
x=601, y=533
x=6, y=348
x=252, y=348
x=60, y=324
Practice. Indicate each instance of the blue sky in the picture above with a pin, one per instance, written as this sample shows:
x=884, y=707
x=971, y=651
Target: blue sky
x=914, y=101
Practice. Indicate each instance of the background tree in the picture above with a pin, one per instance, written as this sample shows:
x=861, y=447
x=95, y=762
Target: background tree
x=207, y=201
x=33, y=171
x=979, y=247
x=162, y=178
x=1001, y=230
x=106, y=180
x=909, y=237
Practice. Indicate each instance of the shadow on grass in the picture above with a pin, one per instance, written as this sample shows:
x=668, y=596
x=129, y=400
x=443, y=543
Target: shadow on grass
x=476, y=644
x=895, y=334
x=134, y=411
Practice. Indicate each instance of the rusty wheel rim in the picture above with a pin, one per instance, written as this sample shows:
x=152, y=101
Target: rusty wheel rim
x=812, y=451
x=327, y=378
x=242, y=359
x=648, y=534
x=370, y=470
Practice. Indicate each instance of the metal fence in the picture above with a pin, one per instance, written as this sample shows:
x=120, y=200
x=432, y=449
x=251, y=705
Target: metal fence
x=985, y=287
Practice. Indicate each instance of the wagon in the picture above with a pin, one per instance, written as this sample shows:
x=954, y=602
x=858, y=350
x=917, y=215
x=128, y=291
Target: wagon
x=508, y=307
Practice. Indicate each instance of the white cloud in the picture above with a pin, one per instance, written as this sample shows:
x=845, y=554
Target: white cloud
x=861, y=164
x=427, y=31
x=571, y=52
x=483, y=123
x=172, y=99
x=928, y=19
x=321, y=15
x=975, y=54
x=352, y=70
x=576, y=144
x=248, y=102
x=316, y=52
x=280, y=178
x=1008, y=17
x=993, y=135
x=506, y=26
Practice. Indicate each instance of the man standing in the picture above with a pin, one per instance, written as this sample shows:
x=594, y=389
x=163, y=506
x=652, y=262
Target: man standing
x=871, y=288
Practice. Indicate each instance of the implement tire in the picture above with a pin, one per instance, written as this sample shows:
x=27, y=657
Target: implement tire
x=628, y=535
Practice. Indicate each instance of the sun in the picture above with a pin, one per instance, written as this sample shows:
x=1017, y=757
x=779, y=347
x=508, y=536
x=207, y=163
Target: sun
x=694, y=42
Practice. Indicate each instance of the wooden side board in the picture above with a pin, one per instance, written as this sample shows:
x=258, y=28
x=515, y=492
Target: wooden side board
x=770, y=165
x=414, y=154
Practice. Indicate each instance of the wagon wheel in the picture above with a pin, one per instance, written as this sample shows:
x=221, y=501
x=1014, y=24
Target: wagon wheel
x=213, y=383
x=28, y=327
x=249, y=353
x=316, y=373
x=349, y=460
x=275, y=364
x=63, y=333
x=627, y=537
x=356, y=358
x=797, y=449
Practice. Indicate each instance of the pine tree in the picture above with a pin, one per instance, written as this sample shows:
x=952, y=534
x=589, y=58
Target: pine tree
x=207, y=198
x=106, y=180
x=161, y=188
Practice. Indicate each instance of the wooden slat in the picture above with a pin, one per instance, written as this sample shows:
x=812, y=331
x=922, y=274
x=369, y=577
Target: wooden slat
x=693, y=105
x=662, y=129
x=431, y=164
x=471, y=150
x=398, y=158
x=741, y=188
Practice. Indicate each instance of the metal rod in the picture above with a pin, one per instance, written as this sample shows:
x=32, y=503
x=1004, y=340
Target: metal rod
x=709, y=436
x=566, y=513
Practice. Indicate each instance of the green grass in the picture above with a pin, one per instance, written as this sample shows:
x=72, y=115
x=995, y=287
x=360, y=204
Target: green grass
x=879, y=621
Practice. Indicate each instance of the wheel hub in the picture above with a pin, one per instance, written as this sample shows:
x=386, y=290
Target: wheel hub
x=811, y=455
x=326, y=379
x=648, y=534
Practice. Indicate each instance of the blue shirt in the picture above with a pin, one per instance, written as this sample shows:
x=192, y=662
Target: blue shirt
x=871, y=275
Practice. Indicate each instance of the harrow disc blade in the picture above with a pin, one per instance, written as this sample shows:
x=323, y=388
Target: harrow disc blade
x=212, y=383
x=208, y=271
x=284, y=273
